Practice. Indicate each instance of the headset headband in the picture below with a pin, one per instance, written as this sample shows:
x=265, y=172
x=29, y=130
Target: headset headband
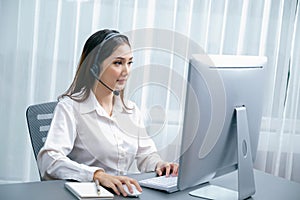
x=107, y=37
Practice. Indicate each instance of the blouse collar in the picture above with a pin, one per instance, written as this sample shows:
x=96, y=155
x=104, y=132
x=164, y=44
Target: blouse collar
x=91, y=104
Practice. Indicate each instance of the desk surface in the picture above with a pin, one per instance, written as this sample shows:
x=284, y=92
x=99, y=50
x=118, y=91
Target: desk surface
x=267, y=187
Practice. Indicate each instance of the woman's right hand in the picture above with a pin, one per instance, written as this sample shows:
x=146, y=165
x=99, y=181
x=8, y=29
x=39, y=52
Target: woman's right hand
x=116, y=182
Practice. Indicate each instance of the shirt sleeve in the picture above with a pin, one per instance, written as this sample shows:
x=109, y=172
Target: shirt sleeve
x=147, y=156
x=52, y=159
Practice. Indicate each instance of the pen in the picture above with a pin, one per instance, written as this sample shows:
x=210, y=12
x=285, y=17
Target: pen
x=98, y=187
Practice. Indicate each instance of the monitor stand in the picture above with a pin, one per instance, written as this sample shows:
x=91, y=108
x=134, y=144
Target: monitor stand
x=246, y=185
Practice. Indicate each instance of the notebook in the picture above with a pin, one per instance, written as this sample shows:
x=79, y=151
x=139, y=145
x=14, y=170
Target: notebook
x=88, y=190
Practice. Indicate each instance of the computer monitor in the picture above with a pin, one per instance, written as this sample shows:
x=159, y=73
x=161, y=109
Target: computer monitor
x=222, y=119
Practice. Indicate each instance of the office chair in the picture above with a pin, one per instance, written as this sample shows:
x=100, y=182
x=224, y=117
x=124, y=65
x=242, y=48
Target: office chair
x=39, y=118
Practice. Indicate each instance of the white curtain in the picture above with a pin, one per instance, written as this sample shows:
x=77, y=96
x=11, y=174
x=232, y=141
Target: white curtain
x=41, y=41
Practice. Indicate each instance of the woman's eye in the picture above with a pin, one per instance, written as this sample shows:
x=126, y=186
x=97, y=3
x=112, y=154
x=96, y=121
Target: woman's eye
x=129, y=63
x=118, y=63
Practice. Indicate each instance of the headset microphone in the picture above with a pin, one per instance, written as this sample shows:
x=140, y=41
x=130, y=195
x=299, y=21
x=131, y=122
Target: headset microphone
x=93, y=70
x=116, y=92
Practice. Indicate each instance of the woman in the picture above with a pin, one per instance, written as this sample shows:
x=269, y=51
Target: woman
x=95, y=134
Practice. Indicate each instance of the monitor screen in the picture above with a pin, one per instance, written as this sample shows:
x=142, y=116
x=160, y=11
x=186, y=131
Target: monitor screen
x=217, y=86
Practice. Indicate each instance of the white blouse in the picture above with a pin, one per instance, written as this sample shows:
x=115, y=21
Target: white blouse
x=83, y=138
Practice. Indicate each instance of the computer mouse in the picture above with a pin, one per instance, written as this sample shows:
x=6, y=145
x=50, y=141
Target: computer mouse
x=135, y=192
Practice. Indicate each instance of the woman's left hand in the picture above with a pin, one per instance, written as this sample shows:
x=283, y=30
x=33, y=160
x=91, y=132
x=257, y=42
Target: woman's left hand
x=167, y=168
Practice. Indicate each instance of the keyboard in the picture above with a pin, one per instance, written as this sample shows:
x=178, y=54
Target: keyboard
x=168, y=184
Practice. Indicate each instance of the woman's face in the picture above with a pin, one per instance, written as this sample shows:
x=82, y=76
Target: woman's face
x=116, y=68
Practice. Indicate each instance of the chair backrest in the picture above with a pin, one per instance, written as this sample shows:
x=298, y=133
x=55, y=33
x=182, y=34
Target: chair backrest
x=39, y=118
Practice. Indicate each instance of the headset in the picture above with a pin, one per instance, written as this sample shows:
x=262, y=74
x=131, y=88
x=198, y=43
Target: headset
x=94, y=70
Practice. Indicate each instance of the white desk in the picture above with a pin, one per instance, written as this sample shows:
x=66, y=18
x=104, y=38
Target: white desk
x=268, y=187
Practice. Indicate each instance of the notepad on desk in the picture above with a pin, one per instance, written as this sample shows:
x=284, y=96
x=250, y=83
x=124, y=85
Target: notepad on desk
x=88, y=190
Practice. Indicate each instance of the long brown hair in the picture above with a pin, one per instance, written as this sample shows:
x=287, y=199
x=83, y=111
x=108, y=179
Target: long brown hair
x=84, y=81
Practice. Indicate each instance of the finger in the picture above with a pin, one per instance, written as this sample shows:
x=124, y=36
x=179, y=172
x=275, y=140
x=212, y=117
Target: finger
x=120, y=188
x=136, y=184
x=159, y=168
x=114, y=188
x=128, y=184
x=175, y=169
x=158, y=171
x=168, y=168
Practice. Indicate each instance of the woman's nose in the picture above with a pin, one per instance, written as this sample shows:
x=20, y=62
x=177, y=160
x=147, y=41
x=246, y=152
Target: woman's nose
x=125, y=69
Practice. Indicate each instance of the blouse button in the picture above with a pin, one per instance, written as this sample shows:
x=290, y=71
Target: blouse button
x=122, y=173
